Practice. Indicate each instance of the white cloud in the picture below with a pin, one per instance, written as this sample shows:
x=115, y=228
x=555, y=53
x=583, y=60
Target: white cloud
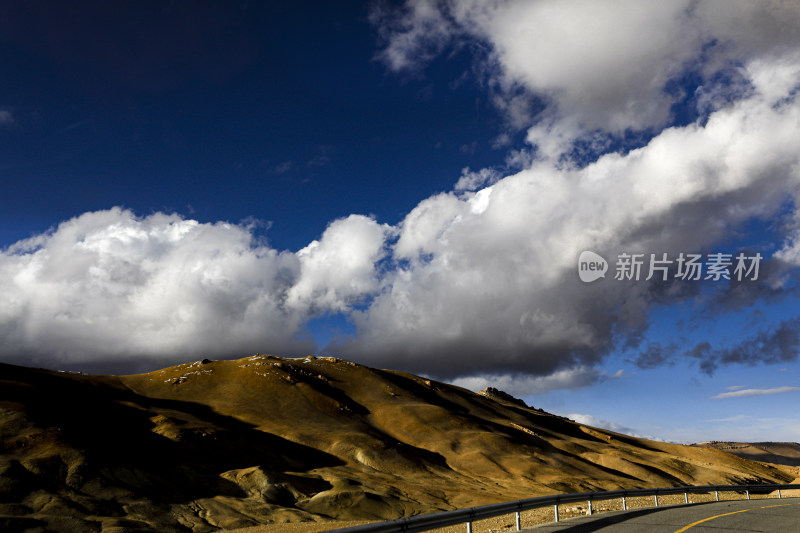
x=565, y=51
x=496, y=286
x=108, y=285
x=597, y=65
x=422, y=32
x=527, y=385
x=486, y=282
x=471, y=180
x=753, y=392
x=339, y=269
x=589, y=420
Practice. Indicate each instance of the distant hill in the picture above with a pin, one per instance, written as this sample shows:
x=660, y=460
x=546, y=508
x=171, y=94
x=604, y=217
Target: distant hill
x=781, y=453
x=225, y=444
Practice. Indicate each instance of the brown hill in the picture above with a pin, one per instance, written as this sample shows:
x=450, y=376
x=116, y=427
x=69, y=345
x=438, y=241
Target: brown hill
x=781, y=453
x=226, y=444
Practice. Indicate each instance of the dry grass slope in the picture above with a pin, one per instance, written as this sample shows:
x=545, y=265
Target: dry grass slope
x=228, y=444
x=782, y=453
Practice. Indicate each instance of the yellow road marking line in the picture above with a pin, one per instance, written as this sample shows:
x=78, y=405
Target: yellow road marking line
x=681, y=530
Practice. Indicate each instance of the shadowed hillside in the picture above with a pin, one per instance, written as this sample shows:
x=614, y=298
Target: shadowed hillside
x=227, y=444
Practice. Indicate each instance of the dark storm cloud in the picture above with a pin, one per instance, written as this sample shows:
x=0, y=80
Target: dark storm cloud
x=655, y=355
x=773, y=345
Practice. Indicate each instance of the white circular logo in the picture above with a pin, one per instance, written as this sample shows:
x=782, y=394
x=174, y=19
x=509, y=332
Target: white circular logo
x=591, y=266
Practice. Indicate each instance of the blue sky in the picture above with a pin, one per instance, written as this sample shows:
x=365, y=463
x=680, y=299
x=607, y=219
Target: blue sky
x=409, y=185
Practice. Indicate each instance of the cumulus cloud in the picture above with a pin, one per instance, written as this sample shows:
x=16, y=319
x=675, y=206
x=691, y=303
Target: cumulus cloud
x=493, y=271
x=486, y=276
x=597, y=66
x=339, y=269
x=112, y=287
x=739, y=393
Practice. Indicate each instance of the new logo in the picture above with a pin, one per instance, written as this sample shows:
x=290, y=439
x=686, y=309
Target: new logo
x=591, y=266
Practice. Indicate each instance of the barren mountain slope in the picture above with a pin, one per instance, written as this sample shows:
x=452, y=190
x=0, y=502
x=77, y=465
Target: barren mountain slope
x=782, y=453
x=234, y=443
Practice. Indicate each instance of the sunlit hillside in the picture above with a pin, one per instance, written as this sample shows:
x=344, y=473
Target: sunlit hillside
x=225, y=444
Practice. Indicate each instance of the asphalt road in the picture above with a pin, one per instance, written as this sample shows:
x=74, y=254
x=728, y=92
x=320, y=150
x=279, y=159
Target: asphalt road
x=772, y=515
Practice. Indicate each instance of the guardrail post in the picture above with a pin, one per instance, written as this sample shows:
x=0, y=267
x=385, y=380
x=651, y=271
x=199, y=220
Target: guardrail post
x=686, y=497
x=518, y=520
x=748, y=493
x=555, y=511
x=716, y=494
x=590, y=507
x=469, y=527
x=655, y=496
x=779, y=494
x=624, y=504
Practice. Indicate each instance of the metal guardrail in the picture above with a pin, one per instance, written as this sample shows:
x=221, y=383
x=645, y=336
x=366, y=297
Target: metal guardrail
x=427, y=522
